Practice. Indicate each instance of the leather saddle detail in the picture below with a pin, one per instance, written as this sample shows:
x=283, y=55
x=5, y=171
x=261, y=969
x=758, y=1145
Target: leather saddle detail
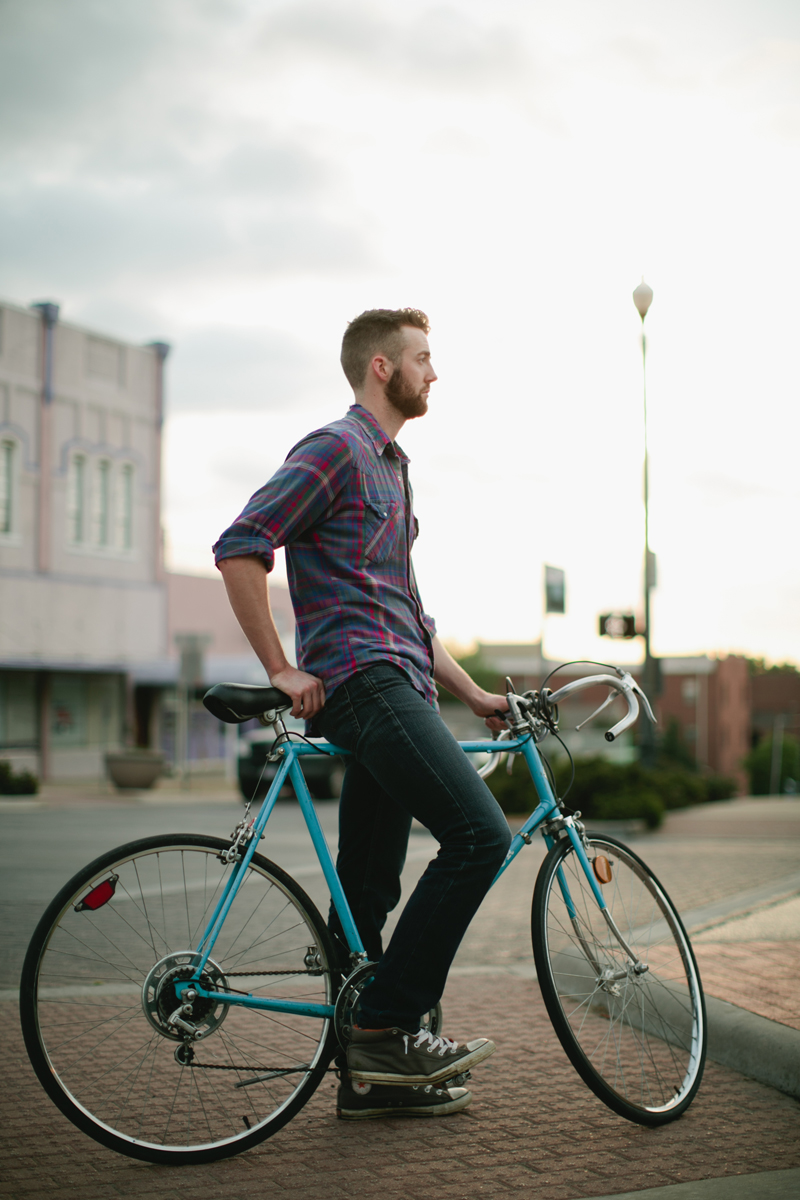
x=235, y=703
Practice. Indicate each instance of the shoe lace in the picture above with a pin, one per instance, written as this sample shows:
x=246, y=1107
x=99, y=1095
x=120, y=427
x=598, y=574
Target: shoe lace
x=432, y=1044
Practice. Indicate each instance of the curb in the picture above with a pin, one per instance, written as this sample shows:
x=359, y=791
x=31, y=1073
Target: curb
x=762, y=1049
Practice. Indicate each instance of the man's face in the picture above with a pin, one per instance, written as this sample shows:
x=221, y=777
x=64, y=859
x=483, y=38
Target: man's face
x=410, y=382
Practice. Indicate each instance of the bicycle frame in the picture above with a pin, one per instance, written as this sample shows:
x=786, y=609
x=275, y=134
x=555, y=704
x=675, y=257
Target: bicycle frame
x=290, y=768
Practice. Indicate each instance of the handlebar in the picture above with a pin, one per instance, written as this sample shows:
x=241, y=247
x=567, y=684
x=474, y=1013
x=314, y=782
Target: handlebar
x=625, y=685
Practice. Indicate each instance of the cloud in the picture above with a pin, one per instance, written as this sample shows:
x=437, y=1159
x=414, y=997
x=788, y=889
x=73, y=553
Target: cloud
x=436, y=46
x=225, y=370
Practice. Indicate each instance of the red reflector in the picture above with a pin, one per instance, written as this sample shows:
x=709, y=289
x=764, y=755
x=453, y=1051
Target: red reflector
x=99, y=895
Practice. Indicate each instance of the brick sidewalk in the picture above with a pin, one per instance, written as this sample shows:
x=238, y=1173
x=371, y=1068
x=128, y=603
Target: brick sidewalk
x=533, y=1126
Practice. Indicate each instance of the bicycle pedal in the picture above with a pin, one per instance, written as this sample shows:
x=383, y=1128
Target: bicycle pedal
x=458, y=1080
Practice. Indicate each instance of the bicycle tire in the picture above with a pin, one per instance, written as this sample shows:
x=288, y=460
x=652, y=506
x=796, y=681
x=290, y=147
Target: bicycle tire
x=93, y=1009
x=638, y=1040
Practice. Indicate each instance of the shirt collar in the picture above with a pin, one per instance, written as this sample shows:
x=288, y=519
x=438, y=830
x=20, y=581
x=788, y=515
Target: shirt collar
x=377, y=434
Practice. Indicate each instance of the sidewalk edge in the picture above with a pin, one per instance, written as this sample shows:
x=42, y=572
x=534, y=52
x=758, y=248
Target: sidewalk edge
x=762, y=1049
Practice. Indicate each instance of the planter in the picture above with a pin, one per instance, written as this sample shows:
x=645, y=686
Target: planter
x=134, y=768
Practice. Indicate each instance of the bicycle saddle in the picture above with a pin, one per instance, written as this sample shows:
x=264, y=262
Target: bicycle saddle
x=238, y=702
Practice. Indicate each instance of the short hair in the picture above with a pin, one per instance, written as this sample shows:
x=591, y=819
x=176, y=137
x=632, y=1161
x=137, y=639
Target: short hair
x=377, y=331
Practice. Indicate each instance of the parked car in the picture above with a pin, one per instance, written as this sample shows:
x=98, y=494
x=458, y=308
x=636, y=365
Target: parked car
x=322, y=772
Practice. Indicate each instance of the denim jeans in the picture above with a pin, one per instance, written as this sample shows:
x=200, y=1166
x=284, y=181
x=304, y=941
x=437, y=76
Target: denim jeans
x=407, y=764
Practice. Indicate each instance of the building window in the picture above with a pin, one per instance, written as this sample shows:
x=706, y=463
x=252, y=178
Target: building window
x=124, y=507
x=689, y=691
x=101, y=502
x=76, y=509
x=7, y=486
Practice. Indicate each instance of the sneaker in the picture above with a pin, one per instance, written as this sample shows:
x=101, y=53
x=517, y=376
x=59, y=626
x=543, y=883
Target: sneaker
x=360, y=1101
x=394, y=1056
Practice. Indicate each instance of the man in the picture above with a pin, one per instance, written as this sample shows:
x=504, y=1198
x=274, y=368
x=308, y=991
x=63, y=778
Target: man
x=368, y=656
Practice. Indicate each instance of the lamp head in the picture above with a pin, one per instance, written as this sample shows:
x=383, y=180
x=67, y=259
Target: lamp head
x=642, y=298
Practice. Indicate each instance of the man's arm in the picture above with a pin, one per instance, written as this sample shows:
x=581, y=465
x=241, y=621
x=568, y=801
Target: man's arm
x=246, y=583
x=484, y=704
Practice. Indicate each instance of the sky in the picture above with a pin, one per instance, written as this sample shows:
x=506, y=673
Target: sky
x=242, y=177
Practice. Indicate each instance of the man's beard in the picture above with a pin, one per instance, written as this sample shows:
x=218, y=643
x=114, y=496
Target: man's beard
x=401, y=395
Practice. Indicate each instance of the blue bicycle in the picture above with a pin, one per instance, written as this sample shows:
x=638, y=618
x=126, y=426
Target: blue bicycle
x=182, y=997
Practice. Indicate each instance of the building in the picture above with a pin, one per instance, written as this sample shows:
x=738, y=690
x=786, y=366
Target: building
x=200, y=619
x=82, y=587
x=708, y=703
x=776, y=704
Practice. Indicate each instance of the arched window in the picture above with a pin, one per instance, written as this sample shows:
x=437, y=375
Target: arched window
x=124, y=507
x=7, y=464
x=76, y=499
x=101, y=503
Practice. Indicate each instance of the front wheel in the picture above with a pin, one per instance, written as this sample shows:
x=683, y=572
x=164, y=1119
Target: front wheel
x=633, y=1028
x=98, y=992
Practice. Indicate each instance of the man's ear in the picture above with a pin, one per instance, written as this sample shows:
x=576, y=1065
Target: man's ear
x=381, y=367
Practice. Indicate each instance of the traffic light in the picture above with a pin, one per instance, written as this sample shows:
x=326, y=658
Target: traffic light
x=618, y=625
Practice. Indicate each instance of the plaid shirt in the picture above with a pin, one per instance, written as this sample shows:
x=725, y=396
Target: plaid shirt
x=341, y=504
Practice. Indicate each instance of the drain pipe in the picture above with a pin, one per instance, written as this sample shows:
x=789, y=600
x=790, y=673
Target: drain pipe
x=49, y=313
x=161, y=349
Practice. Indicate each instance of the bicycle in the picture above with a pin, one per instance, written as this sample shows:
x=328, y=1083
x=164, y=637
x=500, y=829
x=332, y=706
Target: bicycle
x=182, y=997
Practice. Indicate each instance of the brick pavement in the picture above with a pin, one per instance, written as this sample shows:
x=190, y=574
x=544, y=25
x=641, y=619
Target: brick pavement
x=534, y=1124
x=533, y=1127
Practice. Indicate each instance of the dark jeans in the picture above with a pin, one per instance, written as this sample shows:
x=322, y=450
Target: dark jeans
x=407, y=764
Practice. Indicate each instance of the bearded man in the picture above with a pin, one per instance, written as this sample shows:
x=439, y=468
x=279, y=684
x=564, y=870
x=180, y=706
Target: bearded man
x=368, y=660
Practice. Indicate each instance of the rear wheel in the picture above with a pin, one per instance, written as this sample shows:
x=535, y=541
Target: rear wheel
x=98, y=989
x=635, y=1034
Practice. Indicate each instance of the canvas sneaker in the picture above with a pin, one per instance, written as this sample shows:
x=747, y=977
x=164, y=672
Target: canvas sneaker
x=361, y=1101
x=394, y=1056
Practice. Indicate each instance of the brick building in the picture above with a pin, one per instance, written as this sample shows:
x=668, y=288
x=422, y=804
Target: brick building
x=709, y=703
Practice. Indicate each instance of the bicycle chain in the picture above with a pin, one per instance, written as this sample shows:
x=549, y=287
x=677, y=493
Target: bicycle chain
x=248, y=974
x=247, y=1070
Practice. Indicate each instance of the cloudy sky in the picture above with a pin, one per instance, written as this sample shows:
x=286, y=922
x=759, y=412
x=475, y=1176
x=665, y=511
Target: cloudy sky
x=240, y=177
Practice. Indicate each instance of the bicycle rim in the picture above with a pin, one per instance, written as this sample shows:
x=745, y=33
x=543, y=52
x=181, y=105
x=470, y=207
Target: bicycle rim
x=96, y=996
x=636, y=1038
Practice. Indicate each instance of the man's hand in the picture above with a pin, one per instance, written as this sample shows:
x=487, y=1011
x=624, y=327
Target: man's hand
x=307, y=692
x=487, y=706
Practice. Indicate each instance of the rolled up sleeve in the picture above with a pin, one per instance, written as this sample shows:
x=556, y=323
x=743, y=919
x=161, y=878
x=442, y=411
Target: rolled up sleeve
x=295, y=498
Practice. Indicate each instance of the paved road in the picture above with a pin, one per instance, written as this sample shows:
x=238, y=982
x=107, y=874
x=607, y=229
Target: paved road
x=533, y=1125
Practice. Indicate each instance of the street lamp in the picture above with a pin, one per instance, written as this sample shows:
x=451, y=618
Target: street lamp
x=643, y=298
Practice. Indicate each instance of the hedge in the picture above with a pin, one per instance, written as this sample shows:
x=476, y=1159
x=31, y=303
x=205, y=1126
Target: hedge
x=17, y=783
x=608, y=791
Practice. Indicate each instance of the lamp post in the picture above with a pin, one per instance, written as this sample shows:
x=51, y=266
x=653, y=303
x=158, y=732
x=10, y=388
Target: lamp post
x=643, y=298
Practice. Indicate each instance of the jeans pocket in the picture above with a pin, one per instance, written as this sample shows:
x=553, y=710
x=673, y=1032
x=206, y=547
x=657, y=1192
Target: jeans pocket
x=338, y=721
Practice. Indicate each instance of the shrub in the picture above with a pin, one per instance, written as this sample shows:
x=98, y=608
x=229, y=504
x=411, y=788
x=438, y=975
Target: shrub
x=759, y=765
x=17, y=783
x=719, y=787
x=609, y=791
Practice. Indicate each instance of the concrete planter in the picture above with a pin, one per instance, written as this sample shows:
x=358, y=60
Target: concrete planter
x=134, y=768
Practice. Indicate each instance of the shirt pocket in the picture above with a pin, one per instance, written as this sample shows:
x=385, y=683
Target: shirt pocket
x=383, y=521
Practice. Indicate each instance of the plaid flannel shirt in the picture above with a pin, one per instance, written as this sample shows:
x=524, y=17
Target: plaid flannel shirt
x=341, y=504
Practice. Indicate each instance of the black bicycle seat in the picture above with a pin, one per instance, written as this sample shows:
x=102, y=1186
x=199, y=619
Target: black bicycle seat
x=238, y=702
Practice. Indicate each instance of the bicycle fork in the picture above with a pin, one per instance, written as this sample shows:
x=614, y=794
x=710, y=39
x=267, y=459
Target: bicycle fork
x=605, y=975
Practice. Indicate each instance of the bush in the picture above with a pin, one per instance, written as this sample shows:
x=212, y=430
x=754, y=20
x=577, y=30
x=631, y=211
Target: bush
x=609, y=791
x=17, y=783
x=719, y=787
x=759, y=765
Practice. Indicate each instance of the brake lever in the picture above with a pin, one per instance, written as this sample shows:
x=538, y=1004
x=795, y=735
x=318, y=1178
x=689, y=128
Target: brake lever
x=608, y=700
x=646, y=703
